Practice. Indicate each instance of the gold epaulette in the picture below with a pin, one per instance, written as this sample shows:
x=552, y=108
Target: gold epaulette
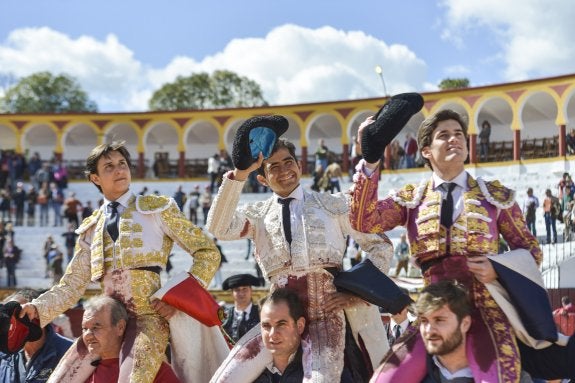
x=409, y=195
x=148, y=204
x=496, y=193
x=88, y=222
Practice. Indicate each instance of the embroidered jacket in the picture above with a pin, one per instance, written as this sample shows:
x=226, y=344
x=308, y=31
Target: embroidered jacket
x=489, y=209
x=148, y=228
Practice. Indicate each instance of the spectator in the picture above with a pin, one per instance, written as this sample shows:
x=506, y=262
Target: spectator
x=213, y=170
x=55, y=260
x=44, y=204
x=410, y=150
x=104, y=324
x=31, y=201
x=566, y=306
x=321, y=154
x=206, y=202
x=19, y=201
x=530, y=209
x=551, y=210
x=282, y=326
x=243, y=315
x=5, y=205
x=60, y=175
x=217, y=280
x=334, y=175
x=71, y=208
x=354, y=156
x=396, y=153
x=3, y=236
x=194, y=204
x=43, y=175
x=484, y=140
x=319, y=183
x=46, y=249
x=570, y=139
x=56, y=200
x=70, y=241
x=225, y=166
x=34, y=164
x=87, y=210
x=566, y=190
x=12, y=255
x=402, y=255
x=180, y=198
x=37, y=360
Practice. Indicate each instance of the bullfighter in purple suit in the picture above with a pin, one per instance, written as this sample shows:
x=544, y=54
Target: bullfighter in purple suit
x=453, y=222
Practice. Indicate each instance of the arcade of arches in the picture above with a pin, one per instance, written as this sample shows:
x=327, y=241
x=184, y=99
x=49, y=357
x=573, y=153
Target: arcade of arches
x=528, y=119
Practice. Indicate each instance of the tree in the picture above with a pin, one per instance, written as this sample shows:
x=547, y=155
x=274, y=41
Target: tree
x=44, y=92
x=454, y=83
x=223, y=89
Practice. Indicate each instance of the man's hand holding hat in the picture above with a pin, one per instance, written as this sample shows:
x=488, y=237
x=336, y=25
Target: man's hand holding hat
x=387, y=124
x=16, y=329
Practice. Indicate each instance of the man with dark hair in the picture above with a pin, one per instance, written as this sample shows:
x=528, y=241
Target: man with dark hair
x=103, y=327
x=444, y=314
x=243, y=315
x=398, y=323
x=453, y=223
x=124, y=245
x=38, y=359
x=282, y=325
x=297, y=236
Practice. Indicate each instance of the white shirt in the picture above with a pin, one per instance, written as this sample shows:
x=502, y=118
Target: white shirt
x=239, y=313
x=457, y=193
x=295, y=207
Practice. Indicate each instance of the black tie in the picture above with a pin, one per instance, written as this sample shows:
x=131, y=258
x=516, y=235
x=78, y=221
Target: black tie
x=397, y=331
x=447, y=205
x=243, y=325
x=286, y=217
x=112, y=225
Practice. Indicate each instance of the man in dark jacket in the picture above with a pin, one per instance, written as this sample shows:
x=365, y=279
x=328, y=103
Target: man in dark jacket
x=282, y=323
x=243, y=315
x=36, y=361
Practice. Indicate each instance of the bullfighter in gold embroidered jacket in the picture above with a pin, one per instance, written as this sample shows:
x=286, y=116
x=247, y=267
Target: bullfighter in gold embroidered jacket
x=319, y=226
x=127, y=268
x=481, y=212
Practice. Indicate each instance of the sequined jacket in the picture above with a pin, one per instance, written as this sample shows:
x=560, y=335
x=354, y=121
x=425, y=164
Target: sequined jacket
x=318, y=243
x=489, y=209
x=148, y=227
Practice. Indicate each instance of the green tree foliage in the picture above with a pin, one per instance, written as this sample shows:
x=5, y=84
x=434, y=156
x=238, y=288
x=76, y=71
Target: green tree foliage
x=223, y=89
x=44, y=92
x=454, y=83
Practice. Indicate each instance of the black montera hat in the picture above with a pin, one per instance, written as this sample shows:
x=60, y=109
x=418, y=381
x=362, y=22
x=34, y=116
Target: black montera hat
x=16, y=331
x=369, y=283
x=240, y=280
x=255, y=135
x=389, y=121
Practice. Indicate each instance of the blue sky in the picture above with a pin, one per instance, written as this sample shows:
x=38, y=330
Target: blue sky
x=299, y=51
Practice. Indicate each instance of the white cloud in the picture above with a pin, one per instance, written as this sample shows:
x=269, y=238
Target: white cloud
x=533, y=34
x=293, y=64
